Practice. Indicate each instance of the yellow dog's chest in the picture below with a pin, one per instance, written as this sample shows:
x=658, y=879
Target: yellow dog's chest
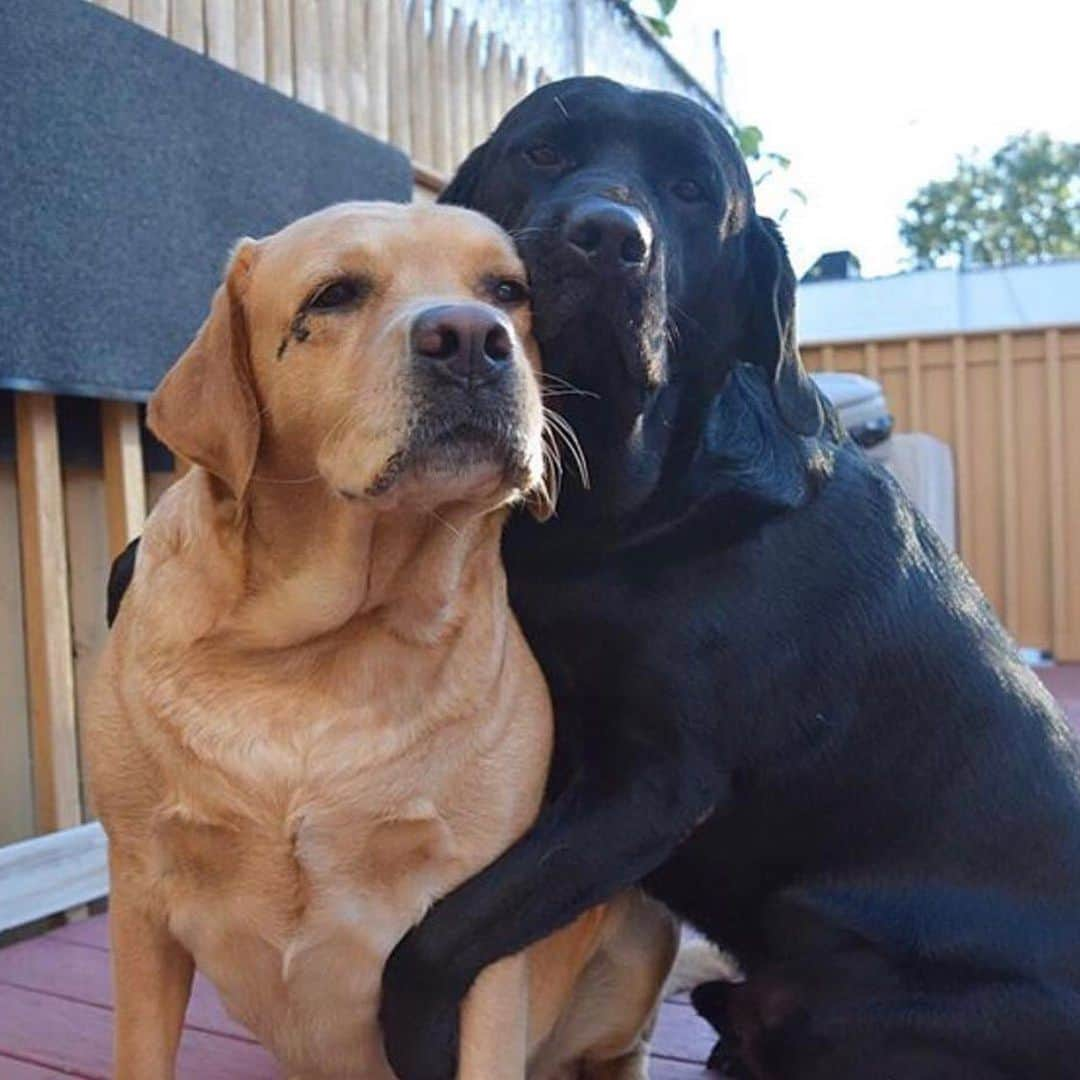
x=292, y=918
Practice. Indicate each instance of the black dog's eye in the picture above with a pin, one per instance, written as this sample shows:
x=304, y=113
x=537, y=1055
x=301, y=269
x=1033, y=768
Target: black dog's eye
x=337, y=294
x=688, y=190
x=509, y=291
x=544, y=156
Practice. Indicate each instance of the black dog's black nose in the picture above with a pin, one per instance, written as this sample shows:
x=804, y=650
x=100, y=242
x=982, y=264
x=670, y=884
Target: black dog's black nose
x=465, y=343
x=609, y=233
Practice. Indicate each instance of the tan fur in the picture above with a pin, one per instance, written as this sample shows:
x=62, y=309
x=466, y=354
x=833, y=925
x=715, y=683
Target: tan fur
x=315, y=713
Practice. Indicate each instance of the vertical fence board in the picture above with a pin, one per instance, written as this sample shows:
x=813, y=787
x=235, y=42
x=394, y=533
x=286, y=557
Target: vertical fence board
x=1033, y=620
x=186, y=24
x=419, y=84
x=1008, y=510
x=1055, y=468
x=333, y=41
x=152, y=14
x=46, y=614
x=89, y=559
x=870, y=359
x=521, y=81
x=356, y=64
x=984, y=425
x=378, y=25
x=125, y=493
x=828, y=358
x=279, y=46
x=220, y=18
x=457, y=70
x=506, y=83
x=914, y=386
x=442, y=154
x=251, y=39
x=492, y=98
x=961, y=445
x=307, y=54
x=398, y=89
x=16, y=790
x=474, y=86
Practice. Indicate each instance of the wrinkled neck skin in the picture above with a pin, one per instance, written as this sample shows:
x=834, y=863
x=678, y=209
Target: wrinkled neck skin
x=298, y=563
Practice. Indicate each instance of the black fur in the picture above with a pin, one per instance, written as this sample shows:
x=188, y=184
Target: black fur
x=780, y=701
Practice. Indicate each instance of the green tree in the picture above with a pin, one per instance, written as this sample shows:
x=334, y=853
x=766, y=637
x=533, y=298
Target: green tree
x=1021, y=205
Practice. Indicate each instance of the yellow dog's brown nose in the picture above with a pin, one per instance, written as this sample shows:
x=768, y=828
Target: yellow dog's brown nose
x=467, y=344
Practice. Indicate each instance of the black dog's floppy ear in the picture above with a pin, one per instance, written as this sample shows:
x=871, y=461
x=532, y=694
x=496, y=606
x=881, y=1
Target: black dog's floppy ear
x=770, y=339
x=461, y=191
x=123, y=569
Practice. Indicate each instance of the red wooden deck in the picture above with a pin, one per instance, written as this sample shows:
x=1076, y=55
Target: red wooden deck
x=56, y=1019
x=55, y=1002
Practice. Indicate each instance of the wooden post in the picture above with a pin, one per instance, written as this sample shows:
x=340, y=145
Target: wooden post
x=125, y=481
x=46, y=614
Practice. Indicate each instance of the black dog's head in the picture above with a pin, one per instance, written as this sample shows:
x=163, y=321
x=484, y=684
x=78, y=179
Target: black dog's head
x=652, y=274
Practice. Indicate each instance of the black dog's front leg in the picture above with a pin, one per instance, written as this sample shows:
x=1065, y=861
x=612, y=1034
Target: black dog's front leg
x=582, y=849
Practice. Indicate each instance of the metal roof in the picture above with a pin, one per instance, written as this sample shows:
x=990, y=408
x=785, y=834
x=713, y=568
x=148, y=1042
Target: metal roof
x=928, y=302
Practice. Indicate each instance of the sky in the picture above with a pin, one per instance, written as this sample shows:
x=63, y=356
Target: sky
x=872, y=100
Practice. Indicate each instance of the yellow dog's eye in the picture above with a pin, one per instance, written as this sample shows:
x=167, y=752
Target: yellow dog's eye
x=509, y=291
x=336, y=294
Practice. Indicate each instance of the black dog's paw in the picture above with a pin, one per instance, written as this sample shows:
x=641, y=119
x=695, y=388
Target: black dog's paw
x=419, y=1021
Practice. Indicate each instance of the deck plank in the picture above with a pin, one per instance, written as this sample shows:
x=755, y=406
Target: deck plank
x=14, y=1069
x=51, y=965
x=73, y=1037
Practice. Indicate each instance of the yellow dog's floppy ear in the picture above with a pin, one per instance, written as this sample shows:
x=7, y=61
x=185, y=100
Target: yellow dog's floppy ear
x=205, y=408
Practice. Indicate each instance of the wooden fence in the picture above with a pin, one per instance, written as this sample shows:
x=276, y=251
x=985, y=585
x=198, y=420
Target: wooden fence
x=411, y=72
x=1008, y=404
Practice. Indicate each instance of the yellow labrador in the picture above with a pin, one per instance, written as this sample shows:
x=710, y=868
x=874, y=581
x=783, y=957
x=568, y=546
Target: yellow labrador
x=316, y=713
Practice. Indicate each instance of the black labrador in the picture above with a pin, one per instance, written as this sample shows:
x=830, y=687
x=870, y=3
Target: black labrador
x=781, y=703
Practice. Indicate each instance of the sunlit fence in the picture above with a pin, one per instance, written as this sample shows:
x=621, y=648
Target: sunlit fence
x=1009, y=406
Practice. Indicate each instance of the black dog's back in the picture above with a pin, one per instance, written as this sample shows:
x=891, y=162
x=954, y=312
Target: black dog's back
x=900, y=865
